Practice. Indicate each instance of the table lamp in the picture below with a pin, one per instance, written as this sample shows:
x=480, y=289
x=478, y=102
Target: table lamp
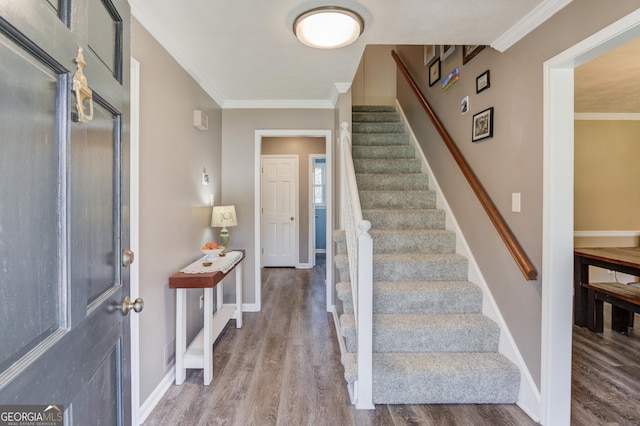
x=221, y=217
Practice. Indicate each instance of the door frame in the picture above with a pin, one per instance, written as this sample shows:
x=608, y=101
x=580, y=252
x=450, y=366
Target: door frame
x=312, y=207
x=557, y=232
x=296, y=227
x=259, y=134
x=134, y=233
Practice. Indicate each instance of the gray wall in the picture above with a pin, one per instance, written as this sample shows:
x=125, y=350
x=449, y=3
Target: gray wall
x=303, y=147
x=239, y=170
x=174, y=204
x=371, y=84
x=512, y=160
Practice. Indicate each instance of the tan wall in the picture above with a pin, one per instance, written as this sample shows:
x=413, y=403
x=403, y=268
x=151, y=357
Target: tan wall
x=303, y=147
x=374, y=82
x=174, y=204
x=239, y=170
x=607, y=175
x=509, y=162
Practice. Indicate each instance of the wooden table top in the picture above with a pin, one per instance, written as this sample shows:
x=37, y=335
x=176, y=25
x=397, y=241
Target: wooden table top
x=209, y=279
x=627, y=256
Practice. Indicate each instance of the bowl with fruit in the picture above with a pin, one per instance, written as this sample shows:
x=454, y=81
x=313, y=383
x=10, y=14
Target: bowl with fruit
x=212, y=249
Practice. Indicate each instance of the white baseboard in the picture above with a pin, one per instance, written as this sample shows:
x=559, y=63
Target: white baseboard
x=150, y=403
x=529, y=396
x=250, y=307
x=304, y=266
x=606, y=234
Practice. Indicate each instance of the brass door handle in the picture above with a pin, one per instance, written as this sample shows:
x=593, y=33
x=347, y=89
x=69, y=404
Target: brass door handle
x=127, y=257
x=82, y=90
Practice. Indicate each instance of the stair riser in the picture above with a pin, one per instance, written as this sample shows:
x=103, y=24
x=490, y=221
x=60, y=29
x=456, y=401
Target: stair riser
x=373, y=108
x=383, y=152
x=394, y=166
x=378, y=128
x=412, y=271
x=392, y=182
x=469, y=302
x=397, y=199
x=375, y=117
x=406, y=219
x=458, y=337
x=378, y=139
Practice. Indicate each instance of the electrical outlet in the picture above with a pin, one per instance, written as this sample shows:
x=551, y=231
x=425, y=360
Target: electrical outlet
x=169, y=355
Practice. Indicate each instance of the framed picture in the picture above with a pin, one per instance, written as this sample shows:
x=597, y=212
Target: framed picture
x=446, y=50
x=434, y=72
x=464, y=105
x=483, y=81
x=482, y=125
x=469, y=51
x=429, y=53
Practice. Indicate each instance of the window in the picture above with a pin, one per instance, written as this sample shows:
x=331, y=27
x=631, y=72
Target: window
x=319, y=181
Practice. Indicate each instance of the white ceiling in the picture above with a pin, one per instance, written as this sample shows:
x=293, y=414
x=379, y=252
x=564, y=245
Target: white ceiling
x=244, y=53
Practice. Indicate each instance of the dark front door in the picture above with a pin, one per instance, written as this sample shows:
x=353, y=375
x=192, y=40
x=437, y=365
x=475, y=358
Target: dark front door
x=63, y=208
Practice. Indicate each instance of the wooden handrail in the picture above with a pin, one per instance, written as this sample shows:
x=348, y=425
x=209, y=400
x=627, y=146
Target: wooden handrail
x=514, y=247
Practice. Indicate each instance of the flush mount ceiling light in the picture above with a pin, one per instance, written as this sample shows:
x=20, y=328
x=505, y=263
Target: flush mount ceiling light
x=328, y=27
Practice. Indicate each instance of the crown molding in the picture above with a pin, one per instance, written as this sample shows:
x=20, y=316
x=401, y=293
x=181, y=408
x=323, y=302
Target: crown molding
x=530, y=22
x=603, y=116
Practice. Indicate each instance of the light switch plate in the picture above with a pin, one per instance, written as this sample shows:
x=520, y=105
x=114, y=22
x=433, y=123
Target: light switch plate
x=515, y=202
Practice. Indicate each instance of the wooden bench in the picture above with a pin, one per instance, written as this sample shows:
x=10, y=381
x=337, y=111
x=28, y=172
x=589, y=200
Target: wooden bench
x=624, y=300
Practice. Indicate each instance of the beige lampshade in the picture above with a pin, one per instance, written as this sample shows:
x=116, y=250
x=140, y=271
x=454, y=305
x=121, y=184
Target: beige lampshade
x=223, y=216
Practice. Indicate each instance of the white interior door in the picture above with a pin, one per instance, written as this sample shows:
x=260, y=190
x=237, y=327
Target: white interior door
x=279, y=210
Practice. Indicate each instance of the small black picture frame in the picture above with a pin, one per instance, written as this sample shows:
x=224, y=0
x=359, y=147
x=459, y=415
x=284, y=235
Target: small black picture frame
x=434, y=72
x=482, y=125
x=483, y=81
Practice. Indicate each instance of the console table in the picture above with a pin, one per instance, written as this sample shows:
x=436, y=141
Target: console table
x=199, y=354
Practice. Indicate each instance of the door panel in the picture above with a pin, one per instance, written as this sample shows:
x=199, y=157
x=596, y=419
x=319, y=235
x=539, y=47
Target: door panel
x=63, y=221
x=279, y=210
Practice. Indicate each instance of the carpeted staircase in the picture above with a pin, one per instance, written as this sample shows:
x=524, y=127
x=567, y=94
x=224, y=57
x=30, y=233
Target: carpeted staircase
x=431, y=342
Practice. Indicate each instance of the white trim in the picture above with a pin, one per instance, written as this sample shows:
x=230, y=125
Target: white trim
x=530, y=22
x=134, y=234
x=304, y=266
x=606, y=234
x=606, y=116
x=279, y=104
x=529, y=395
x=156, y=395
x=250, y=307
x=557, y=232
x=259, y=134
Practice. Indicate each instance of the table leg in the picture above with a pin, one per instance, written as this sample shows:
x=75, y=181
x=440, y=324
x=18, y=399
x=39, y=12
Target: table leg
x=239, y=296
x=619, y=319
x=208, y=343
x=181, y=338
x=595, y=315
x=580, y=297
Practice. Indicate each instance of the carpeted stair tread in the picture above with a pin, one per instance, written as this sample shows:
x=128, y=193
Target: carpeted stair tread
x=373, y=108
x=385, y=218
x=375, y=117
x=391, y=166
x=416, y=199
x=413, y=240
x=378, y=139
x=383, y=152
x=418, y=297
x=378, y=127
x=411, y=267
x=426, y=333
x=392, y=182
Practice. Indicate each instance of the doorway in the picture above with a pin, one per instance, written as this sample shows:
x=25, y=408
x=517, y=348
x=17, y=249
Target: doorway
x=262, y=137
x=318, y=191
x=558, y=184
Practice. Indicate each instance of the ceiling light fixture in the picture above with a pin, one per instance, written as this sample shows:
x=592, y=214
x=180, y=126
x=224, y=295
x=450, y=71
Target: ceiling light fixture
x=328, y=27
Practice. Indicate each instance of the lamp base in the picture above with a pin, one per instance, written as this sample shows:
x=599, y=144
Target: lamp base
x=224, y=238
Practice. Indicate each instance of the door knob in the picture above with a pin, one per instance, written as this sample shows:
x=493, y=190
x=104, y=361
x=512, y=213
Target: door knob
x=127, y=257
x=291, y=218
x=127, y=305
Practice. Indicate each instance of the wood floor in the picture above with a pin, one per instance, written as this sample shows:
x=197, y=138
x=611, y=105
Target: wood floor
x=283, y=368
